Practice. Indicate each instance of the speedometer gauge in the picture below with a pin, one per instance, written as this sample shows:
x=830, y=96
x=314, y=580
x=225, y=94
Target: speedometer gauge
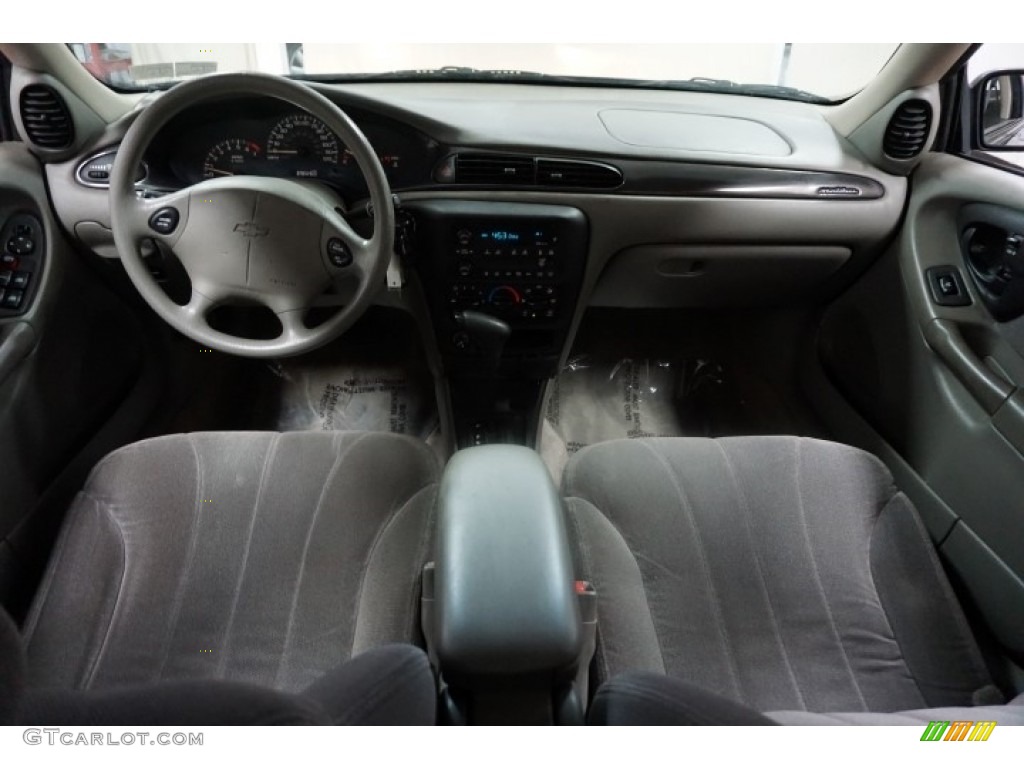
x=304, y=146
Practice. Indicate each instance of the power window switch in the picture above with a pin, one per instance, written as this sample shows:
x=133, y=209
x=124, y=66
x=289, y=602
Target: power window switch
x=947, y=287
x=5, y=278
x=20, y=280
x=12, y=299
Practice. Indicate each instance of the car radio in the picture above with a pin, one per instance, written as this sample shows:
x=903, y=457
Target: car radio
x=511, y=269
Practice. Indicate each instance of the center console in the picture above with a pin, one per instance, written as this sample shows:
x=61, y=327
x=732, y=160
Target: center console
x=501, y=281
x=509, y=628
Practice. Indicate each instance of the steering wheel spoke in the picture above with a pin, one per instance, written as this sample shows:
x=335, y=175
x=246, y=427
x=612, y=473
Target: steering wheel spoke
x=161, y=218
x=293, y=329
x=345, y=252
x=199, y=305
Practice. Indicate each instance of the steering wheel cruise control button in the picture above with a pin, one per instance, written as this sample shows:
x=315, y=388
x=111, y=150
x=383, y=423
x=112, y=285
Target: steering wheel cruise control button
x=164, y=221
x=338, y=253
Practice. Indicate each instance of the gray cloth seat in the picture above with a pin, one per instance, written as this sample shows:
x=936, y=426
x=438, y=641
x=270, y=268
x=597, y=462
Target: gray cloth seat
x=257, y=558
x=389, y=685
x=785, y=574
x=645, y=698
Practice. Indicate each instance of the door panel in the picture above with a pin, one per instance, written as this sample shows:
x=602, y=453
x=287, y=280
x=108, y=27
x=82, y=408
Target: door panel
x=935, y=366
x=70, y=353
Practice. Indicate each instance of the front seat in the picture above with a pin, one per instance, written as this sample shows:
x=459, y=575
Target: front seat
x=787, y=575
x=262, y=559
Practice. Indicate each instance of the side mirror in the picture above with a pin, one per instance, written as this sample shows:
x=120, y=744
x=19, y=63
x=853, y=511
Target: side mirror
x=999, y=110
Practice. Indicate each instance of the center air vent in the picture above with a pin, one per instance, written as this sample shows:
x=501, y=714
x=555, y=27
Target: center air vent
x=908, y=129
x=493, y=169
x=577, y=173
x=502, y=170
x=46, y=118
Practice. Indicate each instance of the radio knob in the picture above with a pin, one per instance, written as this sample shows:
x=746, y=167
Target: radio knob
x=465, y=268
x=504, y=296
x=464, y=236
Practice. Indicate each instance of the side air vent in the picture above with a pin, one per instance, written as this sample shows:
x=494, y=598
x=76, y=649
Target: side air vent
x=46, y=118
x=908, y=129
x=577, y=173
x=493, y=169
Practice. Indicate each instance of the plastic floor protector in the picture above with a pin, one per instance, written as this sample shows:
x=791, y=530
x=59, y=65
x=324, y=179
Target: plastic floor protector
x=591, y=402
x=379, y=398
x=595, y=400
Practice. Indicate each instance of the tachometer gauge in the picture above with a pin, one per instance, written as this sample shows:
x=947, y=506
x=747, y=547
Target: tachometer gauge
x=303, y=146
x=231, y=157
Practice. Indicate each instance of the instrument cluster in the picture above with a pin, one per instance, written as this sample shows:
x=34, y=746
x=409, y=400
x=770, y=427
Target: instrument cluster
x=295, y=145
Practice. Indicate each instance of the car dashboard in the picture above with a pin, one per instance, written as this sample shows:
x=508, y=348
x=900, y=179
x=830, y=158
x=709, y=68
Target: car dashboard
x=532, y=203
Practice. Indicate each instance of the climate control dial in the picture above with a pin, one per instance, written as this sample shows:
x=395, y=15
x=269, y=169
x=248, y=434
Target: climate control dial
x=504, y=296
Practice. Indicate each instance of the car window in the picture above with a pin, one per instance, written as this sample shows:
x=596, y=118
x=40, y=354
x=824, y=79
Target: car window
x=801, y=71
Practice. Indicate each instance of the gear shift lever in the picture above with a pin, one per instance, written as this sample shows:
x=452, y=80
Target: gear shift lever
x=482, y=336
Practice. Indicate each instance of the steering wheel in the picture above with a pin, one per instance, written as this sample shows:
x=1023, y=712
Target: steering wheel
x=276, y=242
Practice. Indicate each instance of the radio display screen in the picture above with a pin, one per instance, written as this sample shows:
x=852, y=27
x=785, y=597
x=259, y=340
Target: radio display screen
x=501, y=236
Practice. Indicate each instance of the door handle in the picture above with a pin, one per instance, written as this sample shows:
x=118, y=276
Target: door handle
x=987, y=387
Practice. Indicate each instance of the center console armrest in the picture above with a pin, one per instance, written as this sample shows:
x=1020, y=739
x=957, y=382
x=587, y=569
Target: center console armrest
x=504, y=600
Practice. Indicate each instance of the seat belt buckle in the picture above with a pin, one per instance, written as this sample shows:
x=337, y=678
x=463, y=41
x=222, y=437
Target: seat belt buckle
x=586, y=597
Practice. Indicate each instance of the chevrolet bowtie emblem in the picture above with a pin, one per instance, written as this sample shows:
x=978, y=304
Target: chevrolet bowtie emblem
x=251, y=229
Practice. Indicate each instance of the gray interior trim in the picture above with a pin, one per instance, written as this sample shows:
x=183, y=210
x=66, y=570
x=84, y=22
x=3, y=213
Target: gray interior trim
x=86, y=122
x=913, y=65
x=654, y=129
x=994, y=588
x=504, y=598
x=712, y=274
x=868, y=137
x=990, y=389
x=16, y=342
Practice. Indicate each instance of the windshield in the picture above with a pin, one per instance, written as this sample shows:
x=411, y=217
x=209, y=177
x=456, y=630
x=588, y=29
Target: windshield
x=806, y=71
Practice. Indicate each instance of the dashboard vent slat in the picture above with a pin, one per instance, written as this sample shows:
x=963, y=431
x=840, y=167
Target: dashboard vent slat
x=46, y=118
x=577, y=173
x=494, y=169
x=485, y=169
x=908, y=130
